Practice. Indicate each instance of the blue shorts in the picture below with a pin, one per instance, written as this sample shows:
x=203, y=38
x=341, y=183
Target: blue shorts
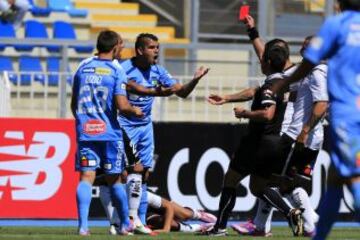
x=139, y=144
x=345, y=151
x=107, y=155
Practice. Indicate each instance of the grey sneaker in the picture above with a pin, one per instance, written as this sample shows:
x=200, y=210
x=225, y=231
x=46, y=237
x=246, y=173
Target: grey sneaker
x=296, y=222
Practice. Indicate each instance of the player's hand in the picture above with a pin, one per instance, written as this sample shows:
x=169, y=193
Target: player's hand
x=138, y=113
x=200, y=72
x=301, y=139
x=215, y=99
x=239, y=112
x=249, y=22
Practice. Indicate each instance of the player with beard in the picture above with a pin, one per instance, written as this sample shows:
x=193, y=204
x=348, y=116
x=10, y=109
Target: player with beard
x=143, y=71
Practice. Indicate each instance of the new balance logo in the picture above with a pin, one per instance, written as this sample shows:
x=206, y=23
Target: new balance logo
x=30, y=164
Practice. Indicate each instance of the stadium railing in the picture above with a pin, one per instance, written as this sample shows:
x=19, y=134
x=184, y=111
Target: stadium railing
x=41, y=99
x=5, y=90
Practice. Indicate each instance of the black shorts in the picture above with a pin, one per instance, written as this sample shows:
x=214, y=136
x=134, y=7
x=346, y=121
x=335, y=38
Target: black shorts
x=301, y=161
x=258, y=155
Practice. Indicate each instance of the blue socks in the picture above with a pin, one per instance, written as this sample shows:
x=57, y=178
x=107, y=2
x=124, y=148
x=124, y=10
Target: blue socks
x=119, y=197
x=83, y=200
x=355, y=190
x=329, y=208
x=143, y=205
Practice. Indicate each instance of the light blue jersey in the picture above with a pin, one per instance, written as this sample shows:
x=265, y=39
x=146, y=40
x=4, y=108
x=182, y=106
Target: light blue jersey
x=156, y=75
x=96, y=83
x=339, y=41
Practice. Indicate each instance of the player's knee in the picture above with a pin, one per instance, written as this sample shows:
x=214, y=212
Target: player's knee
x=232, y=178
x=134, y=182
x=256, y=186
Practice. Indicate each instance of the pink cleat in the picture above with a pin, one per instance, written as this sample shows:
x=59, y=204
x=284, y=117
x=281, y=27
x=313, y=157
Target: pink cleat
x=207, y=217
x=249, y=229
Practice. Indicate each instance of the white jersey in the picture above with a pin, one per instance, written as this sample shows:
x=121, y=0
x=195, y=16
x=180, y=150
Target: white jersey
x=154, y=200
x=289, y=107
x=311, y=89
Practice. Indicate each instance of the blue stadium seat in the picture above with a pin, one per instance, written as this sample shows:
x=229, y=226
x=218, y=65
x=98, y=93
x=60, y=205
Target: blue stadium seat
x=6, y=31
x=33, y=29
x=39, y=11
x=66, y=6
x=30, y=67
x=64, y=30
x=53, y=69
x=6, y=65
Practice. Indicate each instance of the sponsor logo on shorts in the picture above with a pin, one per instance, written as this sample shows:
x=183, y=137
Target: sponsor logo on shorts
x=103, y=71
x=107, y=166
x=94, y=127
x=87, y=162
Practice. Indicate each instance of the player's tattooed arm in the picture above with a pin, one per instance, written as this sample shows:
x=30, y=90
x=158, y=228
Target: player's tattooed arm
x=138, y=89
x=242, y=96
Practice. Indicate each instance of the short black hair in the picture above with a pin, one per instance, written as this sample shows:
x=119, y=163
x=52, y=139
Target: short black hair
x=276, y=42
x=141, y=39
x=106, y=41
x=277, y=57
x=349, y=5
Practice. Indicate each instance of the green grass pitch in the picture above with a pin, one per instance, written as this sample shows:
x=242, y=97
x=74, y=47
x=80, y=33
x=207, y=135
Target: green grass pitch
x=69, y=233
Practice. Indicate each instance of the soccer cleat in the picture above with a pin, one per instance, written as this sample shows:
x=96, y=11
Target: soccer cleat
x=141, y=229
x=83, y=232
x=309, y=234
x=296, y=221
x=249, y=229
x=207, y=217
x=113, y=230
x=215, y=232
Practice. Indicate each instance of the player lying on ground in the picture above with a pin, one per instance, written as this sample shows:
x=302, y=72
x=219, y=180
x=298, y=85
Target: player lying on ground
x=167, y=215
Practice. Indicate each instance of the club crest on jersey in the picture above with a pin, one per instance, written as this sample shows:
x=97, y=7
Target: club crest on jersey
x=88, y=158
x=103, y=71
x=154, y=81
x=88, y=70
x=94, y=127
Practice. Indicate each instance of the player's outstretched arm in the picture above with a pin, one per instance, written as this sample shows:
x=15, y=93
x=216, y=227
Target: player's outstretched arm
x=261, y=115
x=125, y=107
x=242, y=96
x=301, y=72
x=253, y=33
x=184, y=90
x=138, y=89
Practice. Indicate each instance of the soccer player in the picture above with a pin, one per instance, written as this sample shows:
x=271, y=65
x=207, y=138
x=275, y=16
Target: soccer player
x=167, y=215
x=263, y=135
x=143, y=71
x=99, y=91
x=338, y=40
x=310, y=105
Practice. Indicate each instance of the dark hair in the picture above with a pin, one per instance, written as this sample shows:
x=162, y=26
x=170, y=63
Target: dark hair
x=277, y=57
x=106, y=41
x=141, y=39
x=349, y=5
x=275, y=42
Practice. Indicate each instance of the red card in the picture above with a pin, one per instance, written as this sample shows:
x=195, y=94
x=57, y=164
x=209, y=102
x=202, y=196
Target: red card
x=243, y=12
